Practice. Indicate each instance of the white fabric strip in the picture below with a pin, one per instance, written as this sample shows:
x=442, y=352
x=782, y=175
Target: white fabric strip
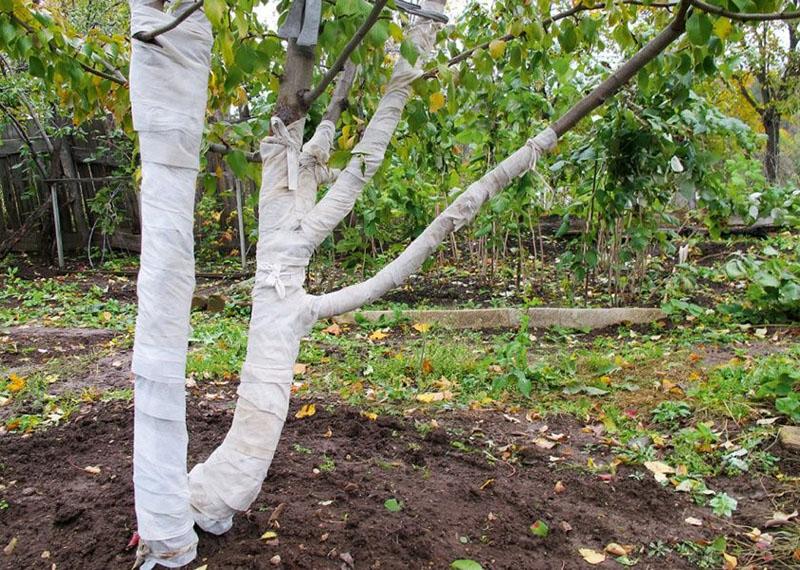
x=168, y=97
x=231, y=478
x=458, y=214
x=367, y=156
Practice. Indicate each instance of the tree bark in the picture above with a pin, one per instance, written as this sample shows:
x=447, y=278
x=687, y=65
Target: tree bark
x=771, y=121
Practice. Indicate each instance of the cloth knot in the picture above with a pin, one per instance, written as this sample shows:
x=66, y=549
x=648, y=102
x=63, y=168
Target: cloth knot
x=281, y=135
x=540, y=144
x=274, y=279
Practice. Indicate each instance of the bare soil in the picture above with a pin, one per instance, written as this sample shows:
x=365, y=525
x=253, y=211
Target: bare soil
x=456, y=503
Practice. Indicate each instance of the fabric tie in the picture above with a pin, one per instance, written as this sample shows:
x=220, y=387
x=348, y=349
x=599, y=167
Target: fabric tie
x=302, y=23
x=282, y=136
x=540, y=144
x=274, y=279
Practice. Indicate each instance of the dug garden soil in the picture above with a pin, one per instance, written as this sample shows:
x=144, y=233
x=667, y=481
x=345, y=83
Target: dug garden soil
x=456, y=502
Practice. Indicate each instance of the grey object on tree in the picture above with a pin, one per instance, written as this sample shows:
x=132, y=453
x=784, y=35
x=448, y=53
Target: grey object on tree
x=302, y=22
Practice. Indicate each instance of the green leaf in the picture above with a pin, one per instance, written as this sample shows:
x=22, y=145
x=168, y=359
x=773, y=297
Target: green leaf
x=36, y=67
x=215, y=11
x=465, y=564
x=393, y=505
x=723, y=504
x=238, y=163
x=568, y=37
x=540, y=528
x=409, y=51
x=698, y=28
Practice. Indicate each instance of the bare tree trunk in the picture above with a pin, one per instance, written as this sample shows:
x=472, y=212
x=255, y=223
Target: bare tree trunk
x=771, y=120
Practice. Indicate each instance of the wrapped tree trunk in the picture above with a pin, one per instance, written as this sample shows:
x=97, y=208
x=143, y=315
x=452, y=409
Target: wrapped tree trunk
x=168, y=95
x=290, y=228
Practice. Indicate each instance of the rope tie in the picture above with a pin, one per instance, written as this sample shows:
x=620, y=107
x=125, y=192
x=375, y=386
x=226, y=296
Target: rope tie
x=536, y=151
x=540, y=144
x=274, y=279
x=282, y=136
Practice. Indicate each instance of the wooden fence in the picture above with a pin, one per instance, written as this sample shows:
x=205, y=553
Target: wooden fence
x=80, y=172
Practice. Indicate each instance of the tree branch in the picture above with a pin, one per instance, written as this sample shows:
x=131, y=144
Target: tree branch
x=580, y=7
x=338, y=102
x=149, y=37
x=118, y=80
x=743, y=16
x=747, y=96
x=222, y=148
x=310, y=96
x=466, y=206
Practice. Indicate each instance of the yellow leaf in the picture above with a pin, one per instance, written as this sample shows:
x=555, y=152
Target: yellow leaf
x=730, y=561
x=428, y=397
x=16, y=383
x=592, y=556
x=421, y=327
x=617, y=549
x=436, y=101
x=396, y=32
x=378, y=335
x=371, y=416
x=497, y=48
x=269, y=535
x=306, y=410
x=722, y=27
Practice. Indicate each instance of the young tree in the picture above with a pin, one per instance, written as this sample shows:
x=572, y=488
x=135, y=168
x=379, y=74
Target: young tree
x=772, y=83
x=169, y=73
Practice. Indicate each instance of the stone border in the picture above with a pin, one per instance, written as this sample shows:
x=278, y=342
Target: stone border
x=540, y=317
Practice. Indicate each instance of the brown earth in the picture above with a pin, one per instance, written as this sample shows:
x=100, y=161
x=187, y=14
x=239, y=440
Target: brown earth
x=456, y=502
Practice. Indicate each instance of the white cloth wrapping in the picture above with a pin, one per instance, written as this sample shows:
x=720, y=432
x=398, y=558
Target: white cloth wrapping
x=231, y=478
x=458, y=214
x=168, y=97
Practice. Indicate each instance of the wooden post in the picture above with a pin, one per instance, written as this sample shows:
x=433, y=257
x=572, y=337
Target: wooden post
x=239, y=214
x=57, y=221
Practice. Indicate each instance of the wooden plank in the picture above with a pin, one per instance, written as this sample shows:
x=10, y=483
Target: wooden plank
x=790, y=437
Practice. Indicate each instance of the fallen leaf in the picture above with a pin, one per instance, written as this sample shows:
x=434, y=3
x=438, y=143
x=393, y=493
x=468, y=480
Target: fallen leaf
x=592, y=556
x=11, y=546
x=421, y=327
x=693, y=521
x=559, y=488
x=659, y=469
x=93, y=469
x=544, y=443
x=299, y=369
x=779, y=518
x=465, y=564
x=328, y=433
x=306, y=410
x=565, y=526
x=427, y=367
x=275, y=560
x=730, y=561
x=378, y=335
x=617, y=549
x=334, y=329
x=428, y=397
x=269, y=535
x=540, y=529
x=15, y=383
x=371, y=416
